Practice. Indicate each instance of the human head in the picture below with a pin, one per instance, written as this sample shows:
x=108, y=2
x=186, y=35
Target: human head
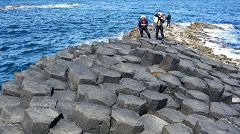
x=160, y=13
x=143, y=17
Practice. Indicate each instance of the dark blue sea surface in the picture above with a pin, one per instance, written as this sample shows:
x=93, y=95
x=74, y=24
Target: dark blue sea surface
x=30, y=29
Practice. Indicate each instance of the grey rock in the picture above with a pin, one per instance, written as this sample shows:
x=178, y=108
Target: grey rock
x=84, y=60
x=104, y=50
x=190, y=106
x=41, y=118
x=211, y=62
x=141, y=75
x=171, y=103
x=218, y=74
x=83, y=90
x=133, y=103
x=179, y=97
x=177, y=74
x=203, y=66
x=65, y=55
x=220, y=110
x=43, y=101
x=55, y=70
x=235, y=121
x=235, y=75
x=227, y=68
x=176, y=129
x=11, y=129
x=225, y=124
x=155, y=100
x=215, y=90
x=125, y=121
x=193, y=83
x=152, y=124
x=158, y=86
x=103, y=96
x=170, y=62
x=208, y=128
x=106, y=75
x=170, y=115
x=192, y=119
x=198, y=95
x=65, y=127
x=187, y=67
x=155, y=69
x=11, y=89
x=160, y=47
x=125, y=69
x=110, y=86
x=130, y=86
x=80, y=75
x=139, y=52
x=231, y=82
x=151, y=57
x=12, y=115
x=227, y=98
x=65, y=95
x=8, y=101
x=171, y=81
x=56, y=84
x=66, y=108
x=132, y=59
x=171, y=50
x=108, y=61
x=92, y=118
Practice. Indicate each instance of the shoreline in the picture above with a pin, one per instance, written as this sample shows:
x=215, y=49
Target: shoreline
x=123, y=86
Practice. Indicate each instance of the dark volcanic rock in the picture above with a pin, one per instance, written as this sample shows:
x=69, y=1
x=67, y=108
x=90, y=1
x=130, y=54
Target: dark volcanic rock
x=92, y=118
x=170, y=62
x=171, y=81
x=130, y=86
x=193, y=83
x=8, y=101
x=190, y=106
x=83, y=90
x=152, y=124
x=176, y=128
x=11, y=89
x=133, y=103
x=106, y=75
x=125, y=121
x=155, y=100
x=65, y=127
x=170, y=115
x=125, y=69
x=55, y=70
x=151, y=57
x=221, y=110
x=215, y=90
x=198, y=95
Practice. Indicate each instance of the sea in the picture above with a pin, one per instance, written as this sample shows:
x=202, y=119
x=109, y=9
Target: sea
x=30, y=29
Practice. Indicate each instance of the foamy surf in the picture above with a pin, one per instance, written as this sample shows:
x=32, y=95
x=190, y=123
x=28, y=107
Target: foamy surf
x=39, y=6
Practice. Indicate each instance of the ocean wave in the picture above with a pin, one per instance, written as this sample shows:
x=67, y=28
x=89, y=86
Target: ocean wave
x=38, y=6
x=185, y=24
x=226, y=26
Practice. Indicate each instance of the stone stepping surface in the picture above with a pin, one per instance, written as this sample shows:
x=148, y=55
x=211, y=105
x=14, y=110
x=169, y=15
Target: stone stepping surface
x=145, y=86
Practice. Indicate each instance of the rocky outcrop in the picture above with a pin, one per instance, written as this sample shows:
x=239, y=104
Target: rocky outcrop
x=144, y=86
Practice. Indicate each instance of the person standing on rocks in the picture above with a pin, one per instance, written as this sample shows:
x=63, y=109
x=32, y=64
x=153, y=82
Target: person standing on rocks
x=159, y=26
x=142, y=26
x=168, y=19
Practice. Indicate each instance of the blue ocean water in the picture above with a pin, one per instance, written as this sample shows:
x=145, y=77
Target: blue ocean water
x=30, y=29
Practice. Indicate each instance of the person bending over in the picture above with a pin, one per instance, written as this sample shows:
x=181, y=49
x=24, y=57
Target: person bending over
x=142, y=25
x=159, y=26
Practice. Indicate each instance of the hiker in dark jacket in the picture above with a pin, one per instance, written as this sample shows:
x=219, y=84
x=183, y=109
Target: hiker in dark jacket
x=159, y=26
x=142, y=25
x=168, y=19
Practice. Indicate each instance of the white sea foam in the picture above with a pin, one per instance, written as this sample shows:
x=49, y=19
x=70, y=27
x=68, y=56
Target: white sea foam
x=185, y=24
x=225, y=26
x=39, y=6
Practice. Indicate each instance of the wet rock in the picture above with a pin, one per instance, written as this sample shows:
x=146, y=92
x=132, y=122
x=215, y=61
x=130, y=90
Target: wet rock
x=198, y=95
x=130, y=86
x=125, y=69
x=55, y=70
x=171, y=81
x=193, y=83
x=107, y=75
x=84, y=60
x=43, y=101
x=133, y=103
x=151, y=57
x=65, y=55
x=125, y=121
x=83, y=90
x=56, y=84
x=80, y=75
x=11, y=89
x=220, y=110
x=176, y=128
x=41, y=118
x=65, y=127
x=215, y=90
x=132, y=59
x=92, y=118
x=155, y=100
x=103, y=96
x=8, y=101
x=170, y=115
x=66, y=95
x=152, y=124
x=170, y=62
x=191, y=106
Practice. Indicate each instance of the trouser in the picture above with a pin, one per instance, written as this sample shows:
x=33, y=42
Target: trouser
x=141, y=29
x=168, y=24
x=161, y=31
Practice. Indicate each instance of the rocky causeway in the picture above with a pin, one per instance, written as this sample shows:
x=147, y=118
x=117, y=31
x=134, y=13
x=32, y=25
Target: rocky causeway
x=140, y=86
